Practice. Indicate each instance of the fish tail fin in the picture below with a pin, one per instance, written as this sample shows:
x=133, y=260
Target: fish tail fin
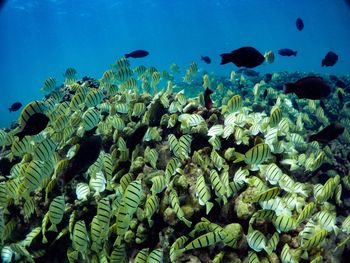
x=225, y=58
x=288, y=88
x=209, y=206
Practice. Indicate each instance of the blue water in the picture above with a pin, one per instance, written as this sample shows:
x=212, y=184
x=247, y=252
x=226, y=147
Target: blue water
x=42, y=38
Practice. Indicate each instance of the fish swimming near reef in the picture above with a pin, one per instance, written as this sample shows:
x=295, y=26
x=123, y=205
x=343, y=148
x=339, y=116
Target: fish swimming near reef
x=247, y=57
x=328, y=134
x=15, y=106
x=34, y=125
x=206, y=59
x=312, y=88
x=330, y=59
x=137, y=54
x=207, y=100
x=248, y=72
x=299, y=23
x=286, y=52
x=87, y=154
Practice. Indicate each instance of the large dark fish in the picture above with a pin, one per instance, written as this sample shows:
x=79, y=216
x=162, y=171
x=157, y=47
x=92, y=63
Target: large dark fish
x=247, y=57
x=137, y=54
x=312, y=88
x=15, y=106
x=330, y=59
x=87, y=154
x=136, y=137
x=299, y=24
x=35, y=124
x=286, y=52
x=207, y=100
x=328, y=134
x=206, y=59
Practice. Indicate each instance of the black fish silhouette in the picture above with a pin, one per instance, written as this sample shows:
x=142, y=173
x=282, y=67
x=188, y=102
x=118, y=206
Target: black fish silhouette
x=247, y=57
x=206, y=59
x=330, y=59
x=35, y=124
x=328, y=134
x=299, y=24
x=207, y=100
x=287, y=52
x=313, y=88
x=137, y=54
x=15, y=106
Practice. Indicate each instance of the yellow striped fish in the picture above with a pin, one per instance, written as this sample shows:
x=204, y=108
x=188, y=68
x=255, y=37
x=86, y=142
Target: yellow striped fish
x=203, y=193
x=80, y=237
x=275, y=117
x=285, y=223
x=93, y=98
x=264, y=196
x=30, y=109
x=49, y=85
x=255, y=156
x=175, y=204
x=206, y=240
x=217, y=185
x=155, y=256
x=141, y=256
x=56, y=212
x=151, y=206
x=132, y=196
x=91, y=118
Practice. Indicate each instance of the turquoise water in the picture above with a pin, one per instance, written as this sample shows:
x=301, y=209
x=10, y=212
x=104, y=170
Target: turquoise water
x=42, y=38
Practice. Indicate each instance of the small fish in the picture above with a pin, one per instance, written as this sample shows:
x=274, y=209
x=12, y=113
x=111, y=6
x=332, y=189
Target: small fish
x=247, y=57
x=330, y=59
x=207, y=100
x=87, y=154
x=313, y=88
x=328, y=134
x=299, y=24
x=15, y=106
x=269, y=56
x=206, y=59
x=34, y=125
x=287, y=52
x=137, y=54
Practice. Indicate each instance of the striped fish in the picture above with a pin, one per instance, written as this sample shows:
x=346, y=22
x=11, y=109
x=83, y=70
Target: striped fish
x=44, y=150
x=118, y=254
x=91, y=117
x=217, y=185
x=77, y=101
x=275, y=117
x=93, y=98
x=129, y=84
x=175, y=204
x=253, y=257
x=234, y=104
x=49, y=85
x=151, y=206
x=266, y=195
x=314, y=240
x=285, y=223
x=104, y=213
x=206, y=240
x=155, y=256
x=132, y=196
x=138, y=109
x=98, y=184
x=203, y=193
x=217, y=160
x=175, y=247
x=216, y=130
x=306, y=212
x=141, y=256
x=82, y=191
x=256, y=240
x=31, y=236
x=272, y=173
x=80, y=237
x=268, y=215
x=56, y=212
x=256, y=155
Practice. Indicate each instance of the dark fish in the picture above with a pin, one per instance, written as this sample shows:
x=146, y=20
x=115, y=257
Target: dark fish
x=265, y=93
x=248, y=72
x=2, y=3
x=207, y=100
x=313, y=88
x=137, y=54
x=15, y=106
x=330, y=59
x=35, y=124
x=328, y=134
x=156, y=111
x=247, y=57
x=136, y=137
x=299, y=24
x=206, y=59
x=87, y=154
x=286, y=52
